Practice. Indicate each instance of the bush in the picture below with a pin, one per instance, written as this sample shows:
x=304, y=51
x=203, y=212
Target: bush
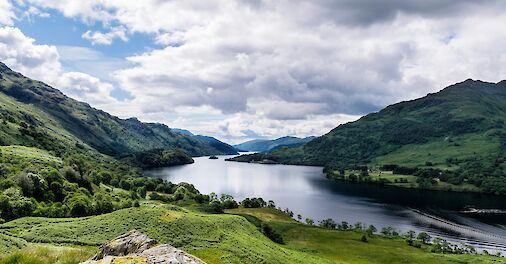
x=79, y=205
x=269, y=232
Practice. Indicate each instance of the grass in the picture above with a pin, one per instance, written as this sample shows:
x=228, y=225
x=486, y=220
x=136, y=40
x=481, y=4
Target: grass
x=29, y=154
x=438, y=151
x=48, y=254
x=266, y=214
x=347, y=247
x=215, y=238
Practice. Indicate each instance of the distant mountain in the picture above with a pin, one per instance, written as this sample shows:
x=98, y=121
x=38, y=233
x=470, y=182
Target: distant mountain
x=460, y=130
x=263, y=145
x=217, y=144
x=35, y=114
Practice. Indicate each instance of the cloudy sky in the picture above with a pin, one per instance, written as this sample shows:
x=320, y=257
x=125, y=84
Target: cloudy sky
x=238, y=70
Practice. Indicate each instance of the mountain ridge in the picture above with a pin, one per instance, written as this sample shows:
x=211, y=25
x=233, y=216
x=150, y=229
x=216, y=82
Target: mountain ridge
x=90, y=126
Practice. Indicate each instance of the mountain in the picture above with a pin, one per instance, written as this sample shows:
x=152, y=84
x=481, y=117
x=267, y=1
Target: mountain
x=35, y=114
x=217, y=144
x=459, y=132
x=264, y=145
x=222, y=146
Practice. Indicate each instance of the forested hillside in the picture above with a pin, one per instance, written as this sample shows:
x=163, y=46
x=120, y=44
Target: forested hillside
x=457, y=134
x=36, y=114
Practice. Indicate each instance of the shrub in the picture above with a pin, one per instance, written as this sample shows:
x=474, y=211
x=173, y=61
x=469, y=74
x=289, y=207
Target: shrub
x=79, y=205
x=269, y=232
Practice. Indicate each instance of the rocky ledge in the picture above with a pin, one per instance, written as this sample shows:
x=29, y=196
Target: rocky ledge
x=137, y=248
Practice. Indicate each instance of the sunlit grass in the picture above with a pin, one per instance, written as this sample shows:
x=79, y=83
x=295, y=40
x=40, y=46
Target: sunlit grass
x=48, y=254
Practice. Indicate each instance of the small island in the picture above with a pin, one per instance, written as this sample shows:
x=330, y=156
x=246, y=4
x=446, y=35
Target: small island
x=213, y=157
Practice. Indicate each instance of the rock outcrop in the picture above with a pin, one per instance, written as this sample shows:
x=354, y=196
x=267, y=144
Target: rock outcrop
x=137, y=248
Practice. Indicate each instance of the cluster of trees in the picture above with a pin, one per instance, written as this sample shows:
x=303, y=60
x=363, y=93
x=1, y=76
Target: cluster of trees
x=486, y=173
x=489, y=176
x=156, y=158
x=71, y=189
x=178, y=192
x=253, y=203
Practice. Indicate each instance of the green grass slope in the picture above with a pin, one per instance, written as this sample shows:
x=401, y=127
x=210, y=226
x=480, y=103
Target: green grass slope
x=347, y=247
x=214, y=238
x=35, y=114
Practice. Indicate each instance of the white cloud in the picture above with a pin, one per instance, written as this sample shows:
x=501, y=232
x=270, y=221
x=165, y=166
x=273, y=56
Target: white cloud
x=274, y=66
x=22, y=54
x=41, y=62
x=105, y=38
x=7, y=15
x=85, y=87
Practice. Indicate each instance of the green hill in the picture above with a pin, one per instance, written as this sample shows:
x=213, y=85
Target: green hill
x=217, y=238
x=459, y=132
x=36, y=114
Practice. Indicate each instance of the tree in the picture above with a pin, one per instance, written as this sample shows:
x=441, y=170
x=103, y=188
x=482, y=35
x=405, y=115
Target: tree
x=440, y=245
x=299, y=217
x=387, y=231
x=125, y=184
x=328, y=223
x=363, y=239
x=309, y=221
x=216, y=206
x=253, y=203
x=79, y=205
x=410, y=236
x=423, y=237
x=271, y=204
x=142, y=191
x=25, y=182
x=102, y=204
x=371, y=230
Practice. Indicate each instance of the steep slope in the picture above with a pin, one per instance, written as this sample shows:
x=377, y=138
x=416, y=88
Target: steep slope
x=215, y=143
x=220, y=145
x=460, y=129
x=463, y=110
x=262, y=145
x=41, y=109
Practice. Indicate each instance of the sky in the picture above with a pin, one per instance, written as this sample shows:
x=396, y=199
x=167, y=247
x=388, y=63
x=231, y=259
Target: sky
x=239, y=70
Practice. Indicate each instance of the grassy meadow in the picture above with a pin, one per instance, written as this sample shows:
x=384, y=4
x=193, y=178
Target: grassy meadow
x=233, y=237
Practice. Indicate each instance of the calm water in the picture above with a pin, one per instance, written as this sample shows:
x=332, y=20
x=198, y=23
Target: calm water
x=306, y=191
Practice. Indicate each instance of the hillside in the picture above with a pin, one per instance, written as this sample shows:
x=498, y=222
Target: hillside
x=36, y=114
x=235, y=237
x=220, y=145
x=264, y=145
x=459, y=132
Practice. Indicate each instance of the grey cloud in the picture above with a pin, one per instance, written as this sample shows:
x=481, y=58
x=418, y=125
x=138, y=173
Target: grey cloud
x=367, y=12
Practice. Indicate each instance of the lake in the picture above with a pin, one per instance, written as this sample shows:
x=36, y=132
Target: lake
x=306, y=191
